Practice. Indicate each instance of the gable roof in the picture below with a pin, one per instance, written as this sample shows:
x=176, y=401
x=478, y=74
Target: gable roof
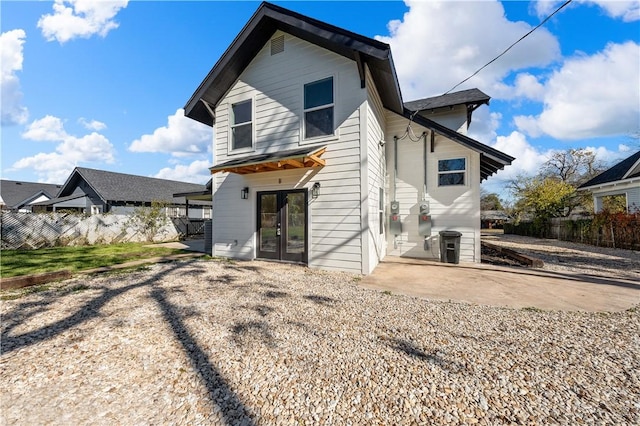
x=629, y=168
x=112, y=186
x=377, y=55
x=263, y=24
x=470, y=97
x=16, y=194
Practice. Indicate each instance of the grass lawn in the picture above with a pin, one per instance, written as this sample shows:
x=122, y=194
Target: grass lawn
x=24, y=262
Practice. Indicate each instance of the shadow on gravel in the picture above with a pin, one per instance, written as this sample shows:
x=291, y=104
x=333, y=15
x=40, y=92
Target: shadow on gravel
x=409, y=348
x=321, y=300
x=220, y=392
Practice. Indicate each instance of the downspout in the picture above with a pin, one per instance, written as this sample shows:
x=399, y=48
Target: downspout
x=395, y=175
x=424, y=154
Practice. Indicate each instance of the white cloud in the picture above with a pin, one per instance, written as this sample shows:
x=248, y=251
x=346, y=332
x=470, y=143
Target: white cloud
x=591, y=96
x=92, y=124
x=13, y=112
x=435, y=47
x=627, y=10
x=181, y=136
x=196, y=172
x=47, y=129
x=71, y=150
x=80, y=18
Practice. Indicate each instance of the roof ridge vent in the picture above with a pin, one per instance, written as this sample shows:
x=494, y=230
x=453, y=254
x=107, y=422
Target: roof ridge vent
x=277, y=45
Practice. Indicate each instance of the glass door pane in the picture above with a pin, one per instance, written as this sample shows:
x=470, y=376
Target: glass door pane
x=269, y=225
x=296, y=221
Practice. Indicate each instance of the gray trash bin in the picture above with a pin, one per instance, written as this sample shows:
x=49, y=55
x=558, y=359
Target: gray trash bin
x=450, y=246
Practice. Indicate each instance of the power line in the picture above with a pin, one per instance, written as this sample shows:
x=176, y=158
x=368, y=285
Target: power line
x=509, y=48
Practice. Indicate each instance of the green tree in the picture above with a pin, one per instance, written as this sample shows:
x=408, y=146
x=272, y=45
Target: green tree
x=490, y=201
x=544, y=197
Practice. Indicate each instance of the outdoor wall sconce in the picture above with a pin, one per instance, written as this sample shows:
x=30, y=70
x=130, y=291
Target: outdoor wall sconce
x=244, y=194
x=315, y=190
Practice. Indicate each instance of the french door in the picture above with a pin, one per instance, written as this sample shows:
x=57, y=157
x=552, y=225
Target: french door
x=282, y=225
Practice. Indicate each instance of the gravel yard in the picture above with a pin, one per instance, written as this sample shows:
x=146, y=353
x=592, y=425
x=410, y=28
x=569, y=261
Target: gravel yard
x=574, y=257
x=255, y=343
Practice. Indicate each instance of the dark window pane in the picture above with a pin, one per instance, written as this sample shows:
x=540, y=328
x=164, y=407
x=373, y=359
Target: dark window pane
x=318, y=93
x=295, y=222
x=447, y=179
x=242, y=112
x=318, y=123
x=450, y=165
x=242, y=136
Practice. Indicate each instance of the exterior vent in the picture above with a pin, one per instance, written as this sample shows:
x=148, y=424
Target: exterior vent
x=277, y=45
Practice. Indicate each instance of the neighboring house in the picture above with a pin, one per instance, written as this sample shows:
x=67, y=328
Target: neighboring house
x=318, y=159
x=20, y=196
x=621, y=179
x=493, y=219
x=98, y=191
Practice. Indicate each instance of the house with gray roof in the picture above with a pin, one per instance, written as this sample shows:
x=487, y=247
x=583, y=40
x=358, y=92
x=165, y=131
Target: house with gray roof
x=20, y=196
x=99, y=191
x=622, y=178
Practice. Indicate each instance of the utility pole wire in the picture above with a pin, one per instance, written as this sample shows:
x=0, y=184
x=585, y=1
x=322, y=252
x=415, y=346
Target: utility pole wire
x=509, y=48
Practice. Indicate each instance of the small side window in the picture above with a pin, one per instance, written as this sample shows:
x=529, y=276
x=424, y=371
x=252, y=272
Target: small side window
x=452, y=172
x=241, y=125
x=318, y=108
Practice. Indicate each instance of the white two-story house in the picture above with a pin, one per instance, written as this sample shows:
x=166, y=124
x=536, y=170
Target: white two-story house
x=318, y=160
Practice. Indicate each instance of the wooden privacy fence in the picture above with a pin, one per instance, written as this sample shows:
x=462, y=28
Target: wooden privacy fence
x=617, y=231
x=37, y=230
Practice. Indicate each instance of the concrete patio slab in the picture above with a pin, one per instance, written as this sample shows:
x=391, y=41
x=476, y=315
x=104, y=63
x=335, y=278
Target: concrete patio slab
x=503, y=286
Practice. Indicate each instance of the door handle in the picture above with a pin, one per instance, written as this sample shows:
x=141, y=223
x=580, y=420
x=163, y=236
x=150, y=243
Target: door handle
x=278, y=231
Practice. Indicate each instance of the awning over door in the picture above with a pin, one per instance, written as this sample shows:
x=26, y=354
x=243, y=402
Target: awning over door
x=283, y=160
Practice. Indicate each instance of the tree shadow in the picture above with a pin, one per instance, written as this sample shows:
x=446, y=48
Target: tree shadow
x=220, y=392
x=321, y=300
x=407, y=347
x=276, y=294
x=244, y=331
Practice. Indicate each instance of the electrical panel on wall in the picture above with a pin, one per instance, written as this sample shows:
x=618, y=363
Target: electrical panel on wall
x=424, y=220
x=395, y=226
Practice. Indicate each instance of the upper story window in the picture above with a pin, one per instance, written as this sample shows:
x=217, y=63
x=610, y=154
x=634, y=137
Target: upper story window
x=452, y=171
x=318, y=108
x=241, y=125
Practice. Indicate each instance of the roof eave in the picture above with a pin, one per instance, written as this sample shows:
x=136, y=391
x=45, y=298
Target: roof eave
x=266, y=21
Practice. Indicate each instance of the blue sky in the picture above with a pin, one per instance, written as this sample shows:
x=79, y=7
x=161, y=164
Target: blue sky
x=102, y=84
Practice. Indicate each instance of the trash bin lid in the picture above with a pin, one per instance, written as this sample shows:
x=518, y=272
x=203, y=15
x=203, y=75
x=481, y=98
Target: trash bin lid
x=450, y=234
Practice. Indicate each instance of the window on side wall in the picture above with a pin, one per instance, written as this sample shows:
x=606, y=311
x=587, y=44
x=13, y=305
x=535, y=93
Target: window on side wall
x=452, y=172
x=318, y=108
x=241, y=126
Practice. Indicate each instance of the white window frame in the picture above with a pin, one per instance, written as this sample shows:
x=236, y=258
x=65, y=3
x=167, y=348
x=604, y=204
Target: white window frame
x=231, y=126
x=334, y=135
x=465, y=171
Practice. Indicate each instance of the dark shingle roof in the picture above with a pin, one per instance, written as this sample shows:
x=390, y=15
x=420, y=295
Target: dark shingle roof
x=112, y=186
x=263, y=24
x=615, y=173
x=15, y=193
x=463, y=97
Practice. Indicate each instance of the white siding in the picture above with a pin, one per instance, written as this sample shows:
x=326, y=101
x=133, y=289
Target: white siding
x=275, y=83
x=373, y=166
x=452, y=208
x=455, y=118
x=631, y=189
